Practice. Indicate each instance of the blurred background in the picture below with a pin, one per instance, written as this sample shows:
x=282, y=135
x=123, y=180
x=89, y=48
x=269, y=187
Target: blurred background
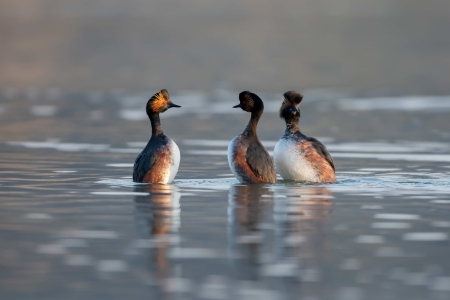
x=75, y=76
x=391, y=45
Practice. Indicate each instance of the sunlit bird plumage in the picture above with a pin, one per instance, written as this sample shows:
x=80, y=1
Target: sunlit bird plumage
x=160, y=159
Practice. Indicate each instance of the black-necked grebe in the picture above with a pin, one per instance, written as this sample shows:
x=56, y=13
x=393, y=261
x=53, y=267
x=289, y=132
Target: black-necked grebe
x=248, y=159
x=297, y=156
x=160, y=159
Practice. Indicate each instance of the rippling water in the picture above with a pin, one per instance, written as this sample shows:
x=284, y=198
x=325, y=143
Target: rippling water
x=75, y=226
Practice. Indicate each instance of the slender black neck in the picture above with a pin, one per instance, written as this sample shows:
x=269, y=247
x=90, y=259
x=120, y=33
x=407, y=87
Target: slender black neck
x=292, y=125
x=254, y=119
x=156, y=124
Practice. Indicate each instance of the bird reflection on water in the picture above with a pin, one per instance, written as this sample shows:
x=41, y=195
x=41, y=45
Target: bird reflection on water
x=273, y=232
x=157, y=218
x=297, y=221
x=300, y=221
x=245, y=213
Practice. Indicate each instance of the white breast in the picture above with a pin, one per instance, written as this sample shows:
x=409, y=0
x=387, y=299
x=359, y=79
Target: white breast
x=231, y=154
x=173, y=170
x=291, y=163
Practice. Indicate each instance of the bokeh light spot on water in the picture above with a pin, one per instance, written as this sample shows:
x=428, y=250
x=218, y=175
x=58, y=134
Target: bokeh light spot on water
x=120, y=193
x=112, y=266
x=120, y=165
x=192, y=253
x=372, y=207
x=440, y=201
x=38, y=216
x=425, y=236
x=388, y=216
x=88, y=234
x=43, y=110
x=390, y=225
x=369, y=239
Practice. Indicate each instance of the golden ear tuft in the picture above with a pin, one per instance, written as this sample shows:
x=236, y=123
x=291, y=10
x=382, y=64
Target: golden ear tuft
x=158, y=101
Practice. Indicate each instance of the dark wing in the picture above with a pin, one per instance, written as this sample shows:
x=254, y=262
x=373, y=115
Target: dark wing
x=145, y=161
x=322, y=150
x=136, y=168
x=260, y=162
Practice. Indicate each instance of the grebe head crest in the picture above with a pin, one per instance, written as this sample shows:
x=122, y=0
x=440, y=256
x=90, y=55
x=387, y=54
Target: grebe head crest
x=249, y=102
x=159, y=102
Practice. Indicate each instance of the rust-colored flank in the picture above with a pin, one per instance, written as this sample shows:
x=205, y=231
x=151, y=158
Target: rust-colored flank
x=324, y=170
x=243, y=168
x=160, y=170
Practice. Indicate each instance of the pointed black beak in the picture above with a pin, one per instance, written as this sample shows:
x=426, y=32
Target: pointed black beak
x=236, y=106
x=173, y=105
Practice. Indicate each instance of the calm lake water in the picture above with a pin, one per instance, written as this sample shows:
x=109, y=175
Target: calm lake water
x=74, y=226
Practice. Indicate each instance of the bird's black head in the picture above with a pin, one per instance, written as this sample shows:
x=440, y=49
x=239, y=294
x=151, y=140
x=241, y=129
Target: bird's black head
x=249, y=102
x=290, y=108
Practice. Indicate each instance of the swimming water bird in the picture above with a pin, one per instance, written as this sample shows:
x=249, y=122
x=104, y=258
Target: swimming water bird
x=297, y=156
x=160, y=159
x=248, y=159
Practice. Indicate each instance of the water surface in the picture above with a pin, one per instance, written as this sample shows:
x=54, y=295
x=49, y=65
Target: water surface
x=75, y=226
